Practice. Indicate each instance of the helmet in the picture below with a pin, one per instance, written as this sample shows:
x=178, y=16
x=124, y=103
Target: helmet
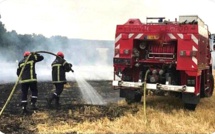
x=60, y=54
x=26, y=53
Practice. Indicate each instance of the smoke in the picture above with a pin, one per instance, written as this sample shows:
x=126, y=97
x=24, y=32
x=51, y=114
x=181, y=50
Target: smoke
x=91, y=59
x=8, y=71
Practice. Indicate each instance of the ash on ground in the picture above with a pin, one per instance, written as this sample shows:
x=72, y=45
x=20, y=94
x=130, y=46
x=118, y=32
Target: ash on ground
x=73, y=105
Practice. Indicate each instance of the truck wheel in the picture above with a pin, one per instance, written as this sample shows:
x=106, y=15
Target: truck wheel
x=209, y=91
x=189, y=106
x=129, y=101
x=136, y=97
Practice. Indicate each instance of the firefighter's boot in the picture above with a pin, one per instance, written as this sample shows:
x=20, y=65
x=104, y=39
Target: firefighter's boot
x=33, y=106
x=49, y=101
x=33, y=103
x=57, y=103
x=24, y=109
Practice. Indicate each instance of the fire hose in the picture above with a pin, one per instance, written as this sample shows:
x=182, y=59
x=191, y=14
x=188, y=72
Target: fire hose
x=14, y=87
x=144, y=96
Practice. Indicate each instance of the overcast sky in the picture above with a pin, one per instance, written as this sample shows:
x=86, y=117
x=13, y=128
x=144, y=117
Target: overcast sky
x=94, y=19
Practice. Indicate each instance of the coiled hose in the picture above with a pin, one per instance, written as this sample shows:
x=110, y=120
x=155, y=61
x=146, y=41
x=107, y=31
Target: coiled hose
x=14, y=87
x=144, y=96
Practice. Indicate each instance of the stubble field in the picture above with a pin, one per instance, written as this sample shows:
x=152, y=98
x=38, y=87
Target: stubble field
x=163, y=114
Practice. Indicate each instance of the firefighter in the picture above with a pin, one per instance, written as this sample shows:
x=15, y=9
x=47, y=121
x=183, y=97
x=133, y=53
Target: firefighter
x=29, y=79
x=59, y=68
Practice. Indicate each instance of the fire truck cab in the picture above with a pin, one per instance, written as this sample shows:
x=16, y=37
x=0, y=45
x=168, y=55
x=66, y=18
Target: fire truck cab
x=168, y=57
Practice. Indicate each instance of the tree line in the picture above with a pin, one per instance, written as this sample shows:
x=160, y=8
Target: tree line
x=12, y=46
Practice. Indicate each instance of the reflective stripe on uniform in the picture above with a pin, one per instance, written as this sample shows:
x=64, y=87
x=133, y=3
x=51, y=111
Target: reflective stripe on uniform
x=29, y=80
x=54, y=65
x=64, y=63
x=31, y=72
x=35, y=56
x=58, y=70
x=29, y=62
x=33, y=96
x=58, y=81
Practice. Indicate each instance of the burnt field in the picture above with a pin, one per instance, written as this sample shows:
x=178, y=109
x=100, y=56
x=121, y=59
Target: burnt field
x=70, y=96
x=164, y=114
x=72, y=105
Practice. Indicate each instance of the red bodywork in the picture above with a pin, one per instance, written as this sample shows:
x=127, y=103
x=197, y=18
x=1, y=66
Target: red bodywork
x=176, y=53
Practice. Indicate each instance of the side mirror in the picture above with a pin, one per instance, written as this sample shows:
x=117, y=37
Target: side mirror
x=209, y=36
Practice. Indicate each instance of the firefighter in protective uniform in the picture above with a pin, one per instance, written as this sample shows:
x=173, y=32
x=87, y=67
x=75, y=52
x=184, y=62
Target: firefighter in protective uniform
x=29, y=79
x=59, y=68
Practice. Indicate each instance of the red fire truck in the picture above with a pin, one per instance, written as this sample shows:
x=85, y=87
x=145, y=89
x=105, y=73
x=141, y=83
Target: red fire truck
x=168, y=57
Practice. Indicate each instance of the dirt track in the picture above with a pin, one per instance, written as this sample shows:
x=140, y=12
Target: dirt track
x=72, y=103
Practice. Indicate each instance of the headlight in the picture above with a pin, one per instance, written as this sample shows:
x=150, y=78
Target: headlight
x=191, y=82
x=122, y=61
x=126, y=51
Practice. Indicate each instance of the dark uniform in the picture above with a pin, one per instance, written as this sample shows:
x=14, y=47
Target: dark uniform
x=59, y=69
x=29, y=79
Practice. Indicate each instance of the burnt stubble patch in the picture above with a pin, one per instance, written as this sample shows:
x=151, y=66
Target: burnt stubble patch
x=73, y=108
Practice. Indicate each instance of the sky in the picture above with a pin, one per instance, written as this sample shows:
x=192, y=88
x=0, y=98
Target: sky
x=94, y=19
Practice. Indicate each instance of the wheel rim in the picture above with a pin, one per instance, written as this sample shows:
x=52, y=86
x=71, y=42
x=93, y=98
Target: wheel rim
x=209, y=91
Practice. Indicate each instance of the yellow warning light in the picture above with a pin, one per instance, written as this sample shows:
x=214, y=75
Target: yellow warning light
x=152, y=37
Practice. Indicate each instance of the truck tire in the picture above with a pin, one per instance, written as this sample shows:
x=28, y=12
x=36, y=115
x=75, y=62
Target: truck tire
x=129, y=100
x=209, y=91
x=136, y=98
x=190, y=101
x=191, y=107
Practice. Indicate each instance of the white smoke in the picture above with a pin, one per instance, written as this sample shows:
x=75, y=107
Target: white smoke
x=91, y=64
x=8, y=72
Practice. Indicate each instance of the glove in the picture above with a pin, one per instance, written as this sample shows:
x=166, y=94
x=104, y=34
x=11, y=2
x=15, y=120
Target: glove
x=70, y=66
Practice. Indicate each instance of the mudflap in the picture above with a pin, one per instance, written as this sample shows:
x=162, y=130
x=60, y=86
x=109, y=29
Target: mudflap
x=131, y=96
x=190, y=100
